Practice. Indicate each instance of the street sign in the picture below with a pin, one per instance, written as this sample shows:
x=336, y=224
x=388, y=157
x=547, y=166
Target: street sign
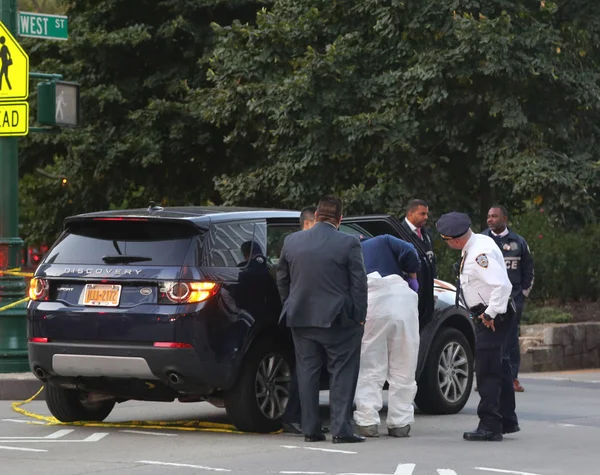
x=14, y=119
x=40, y=25
x=14, y=68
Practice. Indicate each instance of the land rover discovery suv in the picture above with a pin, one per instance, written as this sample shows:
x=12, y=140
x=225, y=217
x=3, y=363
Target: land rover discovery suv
x=161, y=304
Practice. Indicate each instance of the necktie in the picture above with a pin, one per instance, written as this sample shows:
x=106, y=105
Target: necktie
x=419, y=233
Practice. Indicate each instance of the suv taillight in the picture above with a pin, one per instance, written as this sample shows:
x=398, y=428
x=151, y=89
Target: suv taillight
x=38, y=289
x=178, y=292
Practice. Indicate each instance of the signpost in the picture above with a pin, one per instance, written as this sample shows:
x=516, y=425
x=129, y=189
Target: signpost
x=14, y=86
x=40, y=25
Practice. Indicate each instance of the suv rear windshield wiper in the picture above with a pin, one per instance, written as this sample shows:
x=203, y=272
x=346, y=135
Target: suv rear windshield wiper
x=124, y=259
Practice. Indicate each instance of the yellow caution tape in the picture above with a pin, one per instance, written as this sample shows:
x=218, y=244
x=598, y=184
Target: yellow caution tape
x=168, y=425
x=14, y=304
x=16, y=272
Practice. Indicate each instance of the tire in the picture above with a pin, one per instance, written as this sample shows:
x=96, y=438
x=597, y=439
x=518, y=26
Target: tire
x=69, y=405
x=257, y=400
x=445, y=384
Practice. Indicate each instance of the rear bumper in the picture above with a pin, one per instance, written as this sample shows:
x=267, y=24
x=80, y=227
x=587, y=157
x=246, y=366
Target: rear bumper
x=82, y=364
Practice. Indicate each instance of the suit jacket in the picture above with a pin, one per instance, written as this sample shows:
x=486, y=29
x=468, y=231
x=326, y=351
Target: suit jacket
x=426, y=244
x=321, y=275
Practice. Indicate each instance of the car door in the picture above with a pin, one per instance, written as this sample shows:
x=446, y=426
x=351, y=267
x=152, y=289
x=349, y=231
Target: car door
x=376, y=225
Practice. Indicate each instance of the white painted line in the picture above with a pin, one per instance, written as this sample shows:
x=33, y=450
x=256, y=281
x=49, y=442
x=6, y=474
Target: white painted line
x=55, y=435
x=567, y=425
x=445, y=471
x=22, y=449
x=25, y=422
x=202, y=467
x=95, y=437
x=320, y=450
x=59, y=433
x=150, y=433
x=302, y=473
x=405, y=469
x=498, y=470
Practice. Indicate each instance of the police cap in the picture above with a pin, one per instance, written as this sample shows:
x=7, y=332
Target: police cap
x=453, y=225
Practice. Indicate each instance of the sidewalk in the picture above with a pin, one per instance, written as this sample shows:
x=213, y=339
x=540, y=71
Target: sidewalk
x=19, y=386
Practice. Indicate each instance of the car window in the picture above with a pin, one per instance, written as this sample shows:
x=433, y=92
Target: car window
x=355, y=230
x=232, y=244
x=154, y=243
x=276, y=234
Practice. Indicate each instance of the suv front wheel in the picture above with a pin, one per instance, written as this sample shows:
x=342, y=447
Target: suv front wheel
x=257, y=401
x=445, y=384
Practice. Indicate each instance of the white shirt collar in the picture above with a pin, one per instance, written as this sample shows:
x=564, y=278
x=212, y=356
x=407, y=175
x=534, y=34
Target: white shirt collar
x=502, y=234
x=468, y=244
x=411, y=225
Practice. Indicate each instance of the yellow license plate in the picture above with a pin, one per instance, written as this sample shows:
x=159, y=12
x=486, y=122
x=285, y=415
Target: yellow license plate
x=102, y=295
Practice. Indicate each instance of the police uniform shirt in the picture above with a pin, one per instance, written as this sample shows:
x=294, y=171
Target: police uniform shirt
x=483, y=276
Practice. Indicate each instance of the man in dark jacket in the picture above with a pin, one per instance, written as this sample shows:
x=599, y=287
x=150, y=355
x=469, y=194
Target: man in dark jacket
x=417, y=214
x=519, y=266
x=323, y=285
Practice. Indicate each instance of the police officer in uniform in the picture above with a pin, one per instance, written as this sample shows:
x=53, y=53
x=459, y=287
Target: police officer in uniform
x=486, y=290
x=519, y=265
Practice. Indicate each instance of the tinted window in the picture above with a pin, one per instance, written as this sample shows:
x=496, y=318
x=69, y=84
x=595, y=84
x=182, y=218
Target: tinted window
x=354, y=229
x=231, y=244
x=276, y=234
x=160, y=243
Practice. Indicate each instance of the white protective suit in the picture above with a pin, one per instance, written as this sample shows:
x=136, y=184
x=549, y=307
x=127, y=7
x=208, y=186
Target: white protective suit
x=390, y=349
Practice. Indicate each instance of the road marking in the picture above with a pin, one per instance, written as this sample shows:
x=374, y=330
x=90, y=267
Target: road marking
x=55, y=435
x=498, y=470
x=22, y=449
x=320, y=450
x=150, y=433
x=405, y=469
x=95, y=437
x=445, y=471
x=25, y=422
x=202, y=467
x=302, y=473
x=567, y=425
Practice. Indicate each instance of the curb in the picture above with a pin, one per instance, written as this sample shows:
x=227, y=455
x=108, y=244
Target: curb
x=19, y=386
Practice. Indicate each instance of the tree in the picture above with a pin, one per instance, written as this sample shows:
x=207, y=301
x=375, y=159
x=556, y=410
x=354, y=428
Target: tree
x=460, y=102
x=139, y=139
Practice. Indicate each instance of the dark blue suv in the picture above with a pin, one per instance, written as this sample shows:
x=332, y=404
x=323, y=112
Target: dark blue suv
x=181, y=303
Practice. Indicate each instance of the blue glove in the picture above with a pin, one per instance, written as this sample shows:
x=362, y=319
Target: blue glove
x=413, y=284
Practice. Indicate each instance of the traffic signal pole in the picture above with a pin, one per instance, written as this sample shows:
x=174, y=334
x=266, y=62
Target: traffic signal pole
x=13, y=334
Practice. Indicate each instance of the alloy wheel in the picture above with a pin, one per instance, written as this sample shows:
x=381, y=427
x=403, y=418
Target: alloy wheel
x=272, y=385
x=453, y=375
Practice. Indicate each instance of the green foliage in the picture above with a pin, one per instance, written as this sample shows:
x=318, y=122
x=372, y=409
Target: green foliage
x=139, y=139
x=533, y=315
x=379, y=101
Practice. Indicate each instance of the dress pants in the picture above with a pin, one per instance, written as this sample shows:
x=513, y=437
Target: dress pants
x=337, y=347
x=513, y=350
x=496, y=409
x=293, y=409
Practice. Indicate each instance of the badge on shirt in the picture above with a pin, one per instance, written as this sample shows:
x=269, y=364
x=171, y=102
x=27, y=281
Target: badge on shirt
x=514, y=246
x=482, y=260
x=506, y=247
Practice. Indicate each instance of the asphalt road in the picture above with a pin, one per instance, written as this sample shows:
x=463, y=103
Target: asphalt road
x=559, y=414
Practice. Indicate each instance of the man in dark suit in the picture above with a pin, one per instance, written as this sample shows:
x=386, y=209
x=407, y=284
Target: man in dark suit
x=417, y=214
x=323, y=285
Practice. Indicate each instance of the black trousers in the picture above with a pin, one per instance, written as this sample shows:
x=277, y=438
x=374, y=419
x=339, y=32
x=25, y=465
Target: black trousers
x=337, y=347
x=496, y=409
x=293, y=411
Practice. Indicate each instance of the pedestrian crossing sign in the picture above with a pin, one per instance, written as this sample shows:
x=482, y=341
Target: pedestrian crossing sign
x=14, y=68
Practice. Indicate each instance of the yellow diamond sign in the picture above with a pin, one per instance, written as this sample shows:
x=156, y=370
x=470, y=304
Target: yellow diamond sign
x=14, y=68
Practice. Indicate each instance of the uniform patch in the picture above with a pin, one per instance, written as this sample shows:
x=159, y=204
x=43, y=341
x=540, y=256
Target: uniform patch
x=482, y=260
x=514, y=246
x=506, y=247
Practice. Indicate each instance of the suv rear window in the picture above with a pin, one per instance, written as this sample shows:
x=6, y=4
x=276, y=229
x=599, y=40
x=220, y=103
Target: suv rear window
x=158, y=243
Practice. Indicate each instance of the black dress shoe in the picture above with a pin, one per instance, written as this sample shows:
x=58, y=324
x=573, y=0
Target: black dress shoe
x=315, y=438
x=511, y=429
x=325, y=429
x=482, y=435
x=291, y=427
x=350, y=439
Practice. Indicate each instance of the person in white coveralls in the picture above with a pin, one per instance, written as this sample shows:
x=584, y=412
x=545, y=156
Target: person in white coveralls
x=389, y=352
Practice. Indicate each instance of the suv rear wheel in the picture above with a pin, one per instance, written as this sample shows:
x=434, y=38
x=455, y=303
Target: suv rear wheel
x=70, y=405
x=445, y=384
x=257, y=401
